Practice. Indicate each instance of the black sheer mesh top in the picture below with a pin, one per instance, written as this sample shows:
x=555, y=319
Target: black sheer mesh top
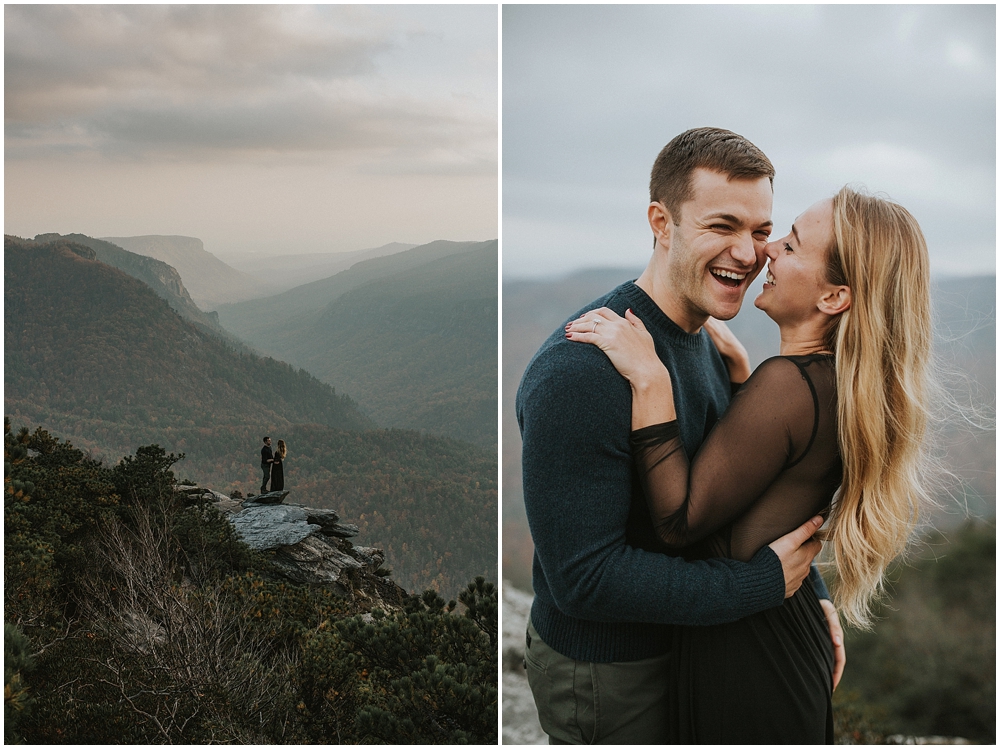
x=770, y=464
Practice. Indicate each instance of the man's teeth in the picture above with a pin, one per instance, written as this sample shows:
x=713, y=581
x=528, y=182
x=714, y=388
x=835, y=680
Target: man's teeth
x=729, y=274
x=770, y=278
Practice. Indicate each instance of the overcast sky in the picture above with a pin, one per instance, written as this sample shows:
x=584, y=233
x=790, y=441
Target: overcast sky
x=273, y=129
x=899, y=98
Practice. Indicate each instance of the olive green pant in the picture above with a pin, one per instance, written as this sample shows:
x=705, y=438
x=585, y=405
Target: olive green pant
x=597, y=703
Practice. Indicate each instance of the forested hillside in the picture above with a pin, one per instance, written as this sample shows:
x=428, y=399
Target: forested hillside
x=266, y=323
x=163, y=279
x=414, y=343
x=95, y=355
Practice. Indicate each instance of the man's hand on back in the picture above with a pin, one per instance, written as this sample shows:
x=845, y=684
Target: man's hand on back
x=796, y=551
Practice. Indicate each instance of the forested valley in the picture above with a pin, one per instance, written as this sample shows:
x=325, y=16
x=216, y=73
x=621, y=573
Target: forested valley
x=93, y=355
x=411, y=336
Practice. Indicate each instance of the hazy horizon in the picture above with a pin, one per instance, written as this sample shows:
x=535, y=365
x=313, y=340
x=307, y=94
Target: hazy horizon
x=898, y=98
x=266, y=129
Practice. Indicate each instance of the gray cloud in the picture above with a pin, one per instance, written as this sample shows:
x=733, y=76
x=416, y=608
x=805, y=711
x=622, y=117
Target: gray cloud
x=268, y=128
x=132, y=81
x=901, y=98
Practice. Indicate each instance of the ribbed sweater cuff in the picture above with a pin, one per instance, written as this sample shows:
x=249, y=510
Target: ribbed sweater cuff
x=761, y=582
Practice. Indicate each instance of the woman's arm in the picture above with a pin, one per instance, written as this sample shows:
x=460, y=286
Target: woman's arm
x=630, y=348
x=739, y=459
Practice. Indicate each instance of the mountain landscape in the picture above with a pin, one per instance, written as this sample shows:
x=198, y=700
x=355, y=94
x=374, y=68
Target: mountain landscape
x=291, y=270
x=210, y=281
x=410, y=336
x=94, y=355
x=266, y=322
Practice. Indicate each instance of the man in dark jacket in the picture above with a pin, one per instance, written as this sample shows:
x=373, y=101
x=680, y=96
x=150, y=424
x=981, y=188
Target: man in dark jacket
x=266, y=459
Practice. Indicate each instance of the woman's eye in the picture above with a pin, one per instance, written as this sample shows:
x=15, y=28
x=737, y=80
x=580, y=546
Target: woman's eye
x=788, y=247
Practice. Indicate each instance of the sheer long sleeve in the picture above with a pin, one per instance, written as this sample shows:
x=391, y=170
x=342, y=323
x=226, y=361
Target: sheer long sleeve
x=743, y=478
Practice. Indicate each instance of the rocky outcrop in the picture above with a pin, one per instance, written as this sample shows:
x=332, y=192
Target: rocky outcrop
x=306, y=544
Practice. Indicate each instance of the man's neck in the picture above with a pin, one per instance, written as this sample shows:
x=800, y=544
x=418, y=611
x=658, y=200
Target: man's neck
x=660, y=292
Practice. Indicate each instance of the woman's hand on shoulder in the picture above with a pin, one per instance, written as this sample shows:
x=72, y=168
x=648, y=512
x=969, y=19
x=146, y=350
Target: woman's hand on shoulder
x=733, y=353
x=626, y=342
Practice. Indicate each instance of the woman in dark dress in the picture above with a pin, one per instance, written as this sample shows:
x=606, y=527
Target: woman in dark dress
x=278, y=467
x=844, y=405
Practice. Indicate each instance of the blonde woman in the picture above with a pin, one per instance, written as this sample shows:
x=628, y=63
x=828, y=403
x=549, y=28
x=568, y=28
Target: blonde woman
x=278, y=467
x=844, y=405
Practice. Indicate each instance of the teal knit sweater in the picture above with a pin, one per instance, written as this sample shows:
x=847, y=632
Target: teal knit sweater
x=604, y=592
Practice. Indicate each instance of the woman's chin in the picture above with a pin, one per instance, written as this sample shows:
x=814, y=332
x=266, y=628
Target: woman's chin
x=761, y=303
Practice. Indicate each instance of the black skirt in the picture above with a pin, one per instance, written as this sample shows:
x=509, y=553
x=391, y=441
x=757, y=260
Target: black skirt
x=765, y=679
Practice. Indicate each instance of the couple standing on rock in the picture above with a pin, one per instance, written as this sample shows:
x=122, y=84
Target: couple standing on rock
x=272, y=463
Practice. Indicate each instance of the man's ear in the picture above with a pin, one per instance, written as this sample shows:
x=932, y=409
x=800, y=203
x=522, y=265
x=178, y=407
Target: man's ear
x=835, y=299
x=661, y=223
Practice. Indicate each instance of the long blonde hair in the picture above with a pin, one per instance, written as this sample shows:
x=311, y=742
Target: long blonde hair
x=884, y=379
x=282, y=450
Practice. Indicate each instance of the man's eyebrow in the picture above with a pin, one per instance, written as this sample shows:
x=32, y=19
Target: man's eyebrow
x=796, y=233
x=734, y=220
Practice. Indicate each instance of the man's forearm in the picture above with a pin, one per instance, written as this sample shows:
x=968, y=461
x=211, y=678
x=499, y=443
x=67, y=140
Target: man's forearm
x=628, y=584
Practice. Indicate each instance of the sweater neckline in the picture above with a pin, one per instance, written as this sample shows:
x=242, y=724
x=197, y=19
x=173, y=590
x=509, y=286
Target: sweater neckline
x=654, y=317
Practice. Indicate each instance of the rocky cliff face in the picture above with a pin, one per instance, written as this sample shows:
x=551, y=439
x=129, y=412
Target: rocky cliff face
x=210, y=281
x=309, y=546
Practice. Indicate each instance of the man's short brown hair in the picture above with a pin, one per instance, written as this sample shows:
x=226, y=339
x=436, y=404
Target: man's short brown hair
x=703, y=148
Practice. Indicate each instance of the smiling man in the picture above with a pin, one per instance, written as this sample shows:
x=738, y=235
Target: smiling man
x=605, y=591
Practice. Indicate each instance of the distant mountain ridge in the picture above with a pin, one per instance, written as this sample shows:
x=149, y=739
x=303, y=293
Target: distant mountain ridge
x=289, y=271
x=264, y=322
x=210, y=281
x=411, y=336
x=418, y=349
x=87, y=346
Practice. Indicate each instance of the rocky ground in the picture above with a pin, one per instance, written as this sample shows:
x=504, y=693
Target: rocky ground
x=308, y=545
x=520, y=721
